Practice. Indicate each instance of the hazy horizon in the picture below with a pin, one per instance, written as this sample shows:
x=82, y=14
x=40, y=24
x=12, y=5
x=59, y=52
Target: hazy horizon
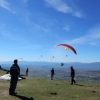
x=84, y=71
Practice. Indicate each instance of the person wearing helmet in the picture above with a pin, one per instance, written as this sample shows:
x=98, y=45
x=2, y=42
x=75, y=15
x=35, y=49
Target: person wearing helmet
x=14, y=72
x=72, y=75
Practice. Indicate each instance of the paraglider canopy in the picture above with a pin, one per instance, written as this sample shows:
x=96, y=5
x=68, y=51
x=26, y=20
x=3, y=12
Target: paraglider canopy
x=52, y=58
x=20, y=58
x=68, y=46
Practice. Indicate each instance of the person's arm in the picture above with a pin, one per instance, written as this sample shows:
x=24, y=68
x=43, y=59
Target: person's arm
x=18, y=69
x=71, y=74
x=54, y=72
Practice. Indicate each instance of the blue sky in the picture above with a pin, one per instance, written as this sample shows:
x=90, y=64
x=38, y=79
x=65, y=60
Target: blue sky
x=31, y=28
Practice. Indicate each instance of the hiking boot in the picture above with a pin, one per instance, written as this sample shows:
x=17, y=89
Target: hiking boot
x=74, y=82
x=14, y=93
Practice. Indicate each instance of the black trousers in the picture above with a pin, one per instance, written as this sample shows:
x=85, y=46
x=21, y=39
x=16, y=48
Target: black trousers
x=72, y=80
x=52, y=76
x=13, y=84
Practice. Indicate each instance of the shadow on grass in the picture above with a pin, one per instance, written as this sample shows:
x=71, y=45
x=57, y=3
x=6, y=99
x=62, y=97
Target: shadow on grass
x=86, y=86
x=82, y=85
x=23, y=97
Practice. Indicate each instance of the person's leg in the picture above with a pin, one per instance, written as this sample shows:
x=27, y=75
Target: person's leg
x=74, y=81
x=11, y=87
x=71, y=80
x=14, y=85
x=51, y=77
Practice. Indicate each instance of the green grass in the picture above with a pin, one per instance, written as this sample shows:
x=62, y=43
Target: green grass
x=41, y=89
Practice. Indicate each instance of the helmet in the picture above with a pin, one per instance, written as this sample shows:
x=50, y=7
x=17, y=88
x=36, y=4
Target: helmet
x=71, y=67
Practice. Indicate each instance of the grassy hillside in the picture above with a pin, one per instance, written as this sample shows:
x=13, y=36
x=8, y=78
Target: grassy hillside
x=46, y=89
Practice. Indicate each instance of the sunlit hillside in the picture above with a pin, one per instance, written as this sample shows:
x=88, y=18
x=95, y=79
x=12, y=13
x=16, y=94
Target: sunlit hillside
x=35, y=88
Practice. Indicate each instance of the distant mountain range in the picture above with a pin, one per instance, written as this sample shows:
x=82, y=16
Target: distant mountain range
x=54, y=64
x=84, y=71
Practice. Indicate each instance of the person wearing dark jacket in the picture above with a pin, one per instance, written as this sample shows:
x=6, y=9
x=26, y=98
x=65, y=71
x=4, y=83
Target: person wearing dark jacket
x=14, y=72
x=72, y=75
x=52, y=73
x=27, y=70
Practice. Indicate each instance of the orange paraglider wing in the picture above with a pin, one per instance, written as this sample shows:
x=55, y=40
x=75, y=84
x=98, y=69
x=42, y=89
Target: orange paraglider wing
x=66, y=45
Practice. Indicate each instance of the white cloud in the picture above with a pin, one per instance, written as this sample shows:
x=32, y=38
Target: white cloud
x=34, y=46
x=40, y=28
x=67, y=28
x=95, y=33
x=59, y=5
x=78, y=40
x=25, y=1
x=90, y=38
x=4, y=4
x=78, y=14
x=62, y=6
x=92, y=43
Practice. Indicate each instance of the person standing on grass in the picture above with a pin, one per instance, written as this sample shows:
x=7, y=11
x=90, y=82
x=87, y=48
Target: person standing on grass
x=72, y=75
x=52, y=73
x=14, y=72
x=27, y=70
